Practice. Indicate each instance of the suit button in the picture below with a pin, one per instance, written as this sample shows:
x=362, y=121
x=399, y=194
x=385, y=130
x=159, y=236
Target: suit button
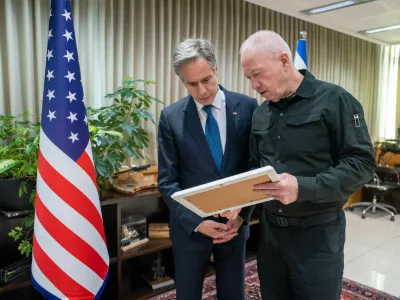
x=279, y=137
x=278, y=161
x=281, y=114
x=280, y=210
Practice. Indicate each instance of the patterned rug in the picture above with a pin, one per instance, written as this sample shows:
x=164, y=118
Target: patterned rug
x=350, y=291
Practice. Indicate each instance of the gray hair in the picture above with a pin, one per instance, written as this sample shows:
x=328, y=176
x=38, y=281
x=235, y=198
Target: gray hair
x=191, y=50
x=266, y=41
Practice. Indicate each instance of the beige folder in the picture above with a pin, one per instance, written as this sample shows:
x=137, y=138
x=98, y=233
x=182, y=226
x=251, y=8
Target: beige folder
x=227, y=193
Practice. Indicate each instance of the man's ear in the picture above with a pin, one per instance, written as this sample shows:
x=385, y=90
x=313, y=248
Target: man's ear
x=216, y=70
x=284, y=59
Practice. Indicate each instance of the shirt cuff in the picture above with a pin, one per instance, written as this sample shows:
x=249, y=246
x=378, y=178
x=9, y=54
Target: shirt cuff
x=307, y=188
x=196, y=228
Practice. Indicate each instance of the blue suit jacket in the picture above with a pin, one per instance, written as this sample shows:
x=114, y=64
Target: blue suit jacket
x=185, y=161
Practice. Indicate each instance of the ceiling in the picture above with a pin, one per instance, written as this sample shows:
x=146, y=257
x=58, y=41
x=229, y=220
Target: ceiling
x=348, y=20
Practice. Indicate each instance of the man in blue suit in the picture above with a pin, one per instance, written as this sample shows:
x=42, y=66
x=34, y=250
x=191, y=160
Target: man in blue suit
x=202, y=138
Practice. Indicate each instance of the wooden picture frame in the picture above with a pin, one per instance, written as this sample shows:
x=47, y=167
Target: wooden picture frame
x=228, y=193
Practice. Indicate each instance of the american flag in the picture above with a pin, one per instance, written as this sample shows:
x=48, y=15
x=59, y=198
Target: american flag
x=70, y=257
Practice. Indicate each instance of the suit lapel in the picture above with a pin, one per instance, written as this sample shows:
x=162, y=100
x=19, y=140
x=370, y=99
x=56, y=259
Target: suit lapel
x=232, y=121
x=193, y=124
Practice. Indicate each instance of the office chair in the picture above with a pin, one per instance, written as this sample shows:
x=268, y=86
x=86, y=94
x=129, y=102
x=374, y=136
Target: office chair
x=380, y=189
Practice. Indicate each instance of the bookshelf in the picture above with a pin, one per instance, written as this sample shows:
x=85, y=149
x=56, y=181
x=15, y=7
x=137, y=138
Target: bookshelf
x=125, y=267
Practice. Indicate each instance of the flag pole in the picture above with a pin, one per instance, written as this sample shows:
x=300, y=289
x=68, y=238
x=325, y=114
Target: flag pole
x=300, y=59
x=70, y=258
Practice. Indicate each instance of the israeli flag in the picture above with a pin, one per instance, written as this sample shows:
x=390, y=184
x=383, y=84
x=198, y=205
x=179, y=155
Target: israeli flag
x=300, y=58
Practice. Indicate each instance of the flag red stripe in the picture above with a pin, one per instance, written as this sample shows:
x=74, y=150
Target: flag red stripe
x=58, y=277
x=70, y=241
x=70, y=194
x=87, y=165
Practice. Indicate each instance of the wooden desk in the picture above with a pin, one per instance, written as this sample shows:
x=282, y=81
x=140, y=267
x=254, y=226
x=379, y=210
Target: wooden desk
x=354, y=198
x=391, y=158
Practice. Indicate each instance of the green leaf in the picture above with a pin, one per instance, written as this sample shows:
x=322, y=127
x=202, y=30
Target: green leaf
x=25, y=247
x=6, y=164
x=139, y=80
x=22, y=189
x=32, y=197
x=16, y=233
x=111, y=95
x=111, y=132
x=28, y=220
x=12, y=233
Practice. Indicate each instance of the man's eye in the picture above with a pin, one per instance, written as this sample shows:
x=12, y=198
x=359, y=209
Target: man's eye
x=256, y=74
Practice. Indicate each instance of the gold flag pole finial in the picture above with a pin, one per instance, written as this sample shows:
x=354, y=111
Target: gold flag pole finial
x=303, y=35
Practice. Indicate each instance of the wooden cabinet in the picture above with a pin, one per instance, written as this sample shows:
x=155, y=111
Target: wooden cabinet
x=125, y=281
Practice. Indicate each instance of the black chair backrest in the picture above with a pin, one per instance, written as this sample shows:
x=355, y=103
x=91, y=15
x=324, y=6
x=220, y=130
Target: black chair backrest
x=388, y=174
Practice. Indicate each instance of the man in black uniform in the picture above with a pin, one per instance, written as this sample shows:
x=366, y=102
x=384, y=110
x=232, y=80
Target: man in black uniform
x=314, y=134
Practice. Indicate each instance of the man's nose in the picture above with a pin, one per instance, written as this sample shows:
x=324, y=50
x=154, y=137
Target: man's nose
x=255, y=84
x=202, y=89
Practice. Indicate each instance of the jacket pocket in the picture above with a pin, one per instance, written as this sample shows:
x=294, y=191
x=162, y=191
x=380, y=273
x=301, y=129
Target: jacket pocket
x=264, y=135
x=307, y=133
x=303, y=119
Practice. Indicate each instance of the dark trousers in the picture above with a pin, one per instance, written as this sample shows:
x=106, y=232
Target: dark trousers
x=301, y=262
x=190, y=268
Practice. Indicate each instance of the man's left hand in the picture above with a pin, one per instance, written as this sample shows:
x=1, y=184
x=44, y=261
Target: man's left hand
x=231, y=214
x=286, y=190
x=233, y=226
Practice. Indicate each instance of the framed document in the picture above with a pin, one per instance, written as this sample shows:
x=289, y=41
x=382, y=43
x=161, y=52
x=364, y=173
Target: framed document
x=227, y=193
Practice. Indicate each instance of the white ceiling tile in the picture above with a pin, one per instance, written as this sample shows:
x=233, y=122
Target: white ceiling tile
x=347, y=20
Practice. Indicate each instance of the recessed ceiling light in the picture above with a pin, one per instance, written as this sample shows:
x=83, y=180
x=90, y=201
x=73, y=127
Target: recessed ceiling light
x=334, y=6
x=380, y=29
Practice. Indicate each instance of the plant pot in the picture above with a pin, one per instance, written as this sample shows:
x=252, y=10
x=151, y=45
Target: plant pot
x=9, y=198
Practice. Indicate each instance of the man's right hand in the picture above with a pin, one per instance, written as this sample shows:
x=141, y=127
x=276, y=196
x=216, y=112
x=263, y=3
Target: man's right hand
x=212, y=229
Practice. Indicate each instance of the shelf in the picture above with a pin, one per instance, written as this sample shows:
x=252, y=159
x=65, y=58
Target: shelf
x=113, y=197
x=113, y=260
x=153, y=245
x=147, y=292
x=18, y=283
x=24, y=281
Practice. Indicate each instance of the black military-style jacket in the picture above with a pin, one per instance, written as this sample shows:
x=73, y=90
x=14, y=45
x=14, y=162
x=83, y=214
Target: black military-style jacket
x=320, y=136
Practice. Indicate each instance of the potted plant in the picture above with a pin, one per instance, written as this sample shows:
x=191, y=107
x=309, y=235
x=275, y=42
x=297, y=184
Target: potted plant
x=116, y=134
x=19, y=144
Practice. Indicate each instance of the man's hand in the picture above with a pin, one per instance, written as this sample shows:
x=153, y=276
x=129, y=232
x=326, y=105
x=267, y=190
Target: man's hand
x=233, y=226
x=212, y=229
x=229, y=214
x=286, y=190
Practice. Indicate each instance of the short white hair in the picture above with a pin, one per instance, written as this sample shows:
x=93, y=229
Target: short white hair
x=266, y=41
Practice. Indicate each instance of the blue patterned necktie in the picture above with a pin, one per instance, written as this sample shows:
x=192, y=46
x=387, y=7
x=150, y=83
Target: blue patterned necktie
x=213, y=137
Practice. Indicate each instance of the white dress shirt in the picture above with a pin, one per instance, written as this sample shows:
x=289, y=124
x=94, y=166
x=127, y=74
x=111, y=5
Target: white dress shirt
x=219, y=112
